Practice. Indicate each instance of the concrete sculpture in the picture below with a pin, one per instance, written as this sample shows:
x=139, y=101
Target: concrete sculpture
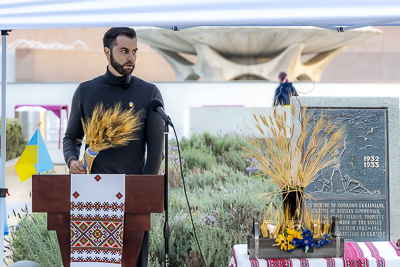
x=234, y=53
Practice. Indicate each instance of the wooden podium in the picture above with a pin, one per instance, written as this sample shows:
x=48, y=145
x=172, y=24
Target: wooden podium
x=144, y=194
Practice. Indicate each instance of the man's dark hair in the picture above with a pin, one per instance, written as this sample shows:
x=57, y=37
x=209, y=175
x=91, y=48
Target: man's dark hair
x=282, y=75
x=110, y=37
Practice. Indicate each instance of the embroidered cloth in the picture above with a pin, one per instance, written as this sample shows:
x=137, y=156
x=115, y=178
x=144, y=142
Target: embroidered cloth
x=356, y=254
x=97, y=216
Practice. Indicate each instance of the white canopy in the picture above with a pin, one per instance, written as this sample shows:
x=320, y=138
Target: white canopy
x=39, y=14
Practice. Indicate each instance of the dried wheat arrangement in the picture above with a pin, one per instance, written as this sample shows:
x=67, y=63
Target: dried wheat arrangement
x=108, y=128
x=292, y=163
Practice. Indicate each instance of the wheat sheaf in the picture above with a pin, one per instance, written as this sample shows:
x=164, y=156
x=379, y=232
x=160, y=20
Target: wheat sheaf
x=108, y=128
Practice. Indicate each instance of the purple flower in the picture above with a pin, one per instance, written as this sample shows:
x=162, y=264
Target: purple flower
x=307, y=234
x=299, y=243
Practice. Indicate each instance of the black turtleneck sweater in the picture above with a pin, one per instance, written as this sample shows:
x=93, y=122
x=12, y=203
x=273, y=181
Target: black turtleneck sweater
x=129, y=159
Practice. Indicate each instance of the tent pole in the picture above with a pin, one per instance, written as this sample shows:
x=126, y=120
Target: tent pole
x=4, y=34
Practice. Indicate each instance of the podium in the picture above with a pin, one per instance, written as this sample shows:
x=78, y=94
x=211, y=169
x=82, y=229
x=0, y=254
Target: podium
x=144, y=194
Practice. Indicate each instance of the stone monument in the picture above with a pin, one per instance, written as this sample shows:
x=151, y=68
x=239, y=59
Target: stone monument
x=362, y=190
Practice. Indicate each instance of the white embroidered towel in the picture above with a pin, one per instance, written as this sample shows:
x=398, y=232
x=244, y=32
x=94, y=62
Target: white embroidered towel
x=97, y=217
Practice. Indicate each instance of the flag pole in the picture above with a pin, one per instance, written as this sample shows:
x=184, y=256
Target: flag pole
x=4, y=34
x=37, y=149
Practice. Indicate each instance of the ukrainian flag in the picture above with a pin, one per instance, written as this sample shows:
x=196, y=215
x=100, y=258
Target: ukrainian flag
x=35, y=158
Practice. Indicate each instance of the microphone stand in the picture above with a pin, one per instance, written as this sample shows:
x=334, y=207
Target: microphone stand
x=166, y=224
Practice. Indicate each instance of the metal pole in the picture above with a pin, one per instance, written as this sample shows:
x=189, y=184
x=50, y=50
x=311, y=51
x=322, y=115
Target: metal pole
x=166, y=224
x=4, y=34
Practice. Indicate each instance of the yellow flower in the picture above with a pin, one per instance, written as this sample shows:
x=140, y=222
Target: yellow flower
x=294, y=233
x=281, y=240
x=291, y=247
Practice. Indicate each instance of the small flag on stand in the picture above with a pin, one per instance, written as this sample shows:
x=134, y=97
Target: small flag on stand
x=35, y=158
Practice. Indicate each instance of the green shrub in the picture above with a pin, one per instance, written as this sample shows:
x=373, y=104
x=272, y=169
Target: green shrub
x=234, y=159
x=215, y=240
x=197, y=141
x=223, y=198
x=204, y=151
x=229, y=142
x=223, y=202
x=15, y=140
x=196, y=158
x=217, y=145
x=30, y=240
x=216, y=244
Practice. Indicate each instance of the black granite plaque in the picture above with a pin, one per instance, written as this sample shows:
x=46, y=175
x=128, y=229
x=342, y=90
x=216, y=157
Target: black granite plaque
x=357, y=190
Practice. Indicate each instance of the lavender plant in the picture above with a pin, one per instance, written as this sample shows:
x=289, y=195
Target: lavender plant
x=252, y=166
x=30, y=240
x=223, y=199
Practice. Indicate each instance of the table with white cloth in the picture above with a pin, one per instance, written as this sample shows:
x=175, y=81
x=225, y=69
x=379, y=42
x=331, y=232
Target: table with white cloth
x=356, y=254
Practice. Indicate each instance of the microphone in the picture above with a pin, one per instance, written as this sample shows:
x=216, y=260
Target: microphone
x=157, y=106
x=127, y=82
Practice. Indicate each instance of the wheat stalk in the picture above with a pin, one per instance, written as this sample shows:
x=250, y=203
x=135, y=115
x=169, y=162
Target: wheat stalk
x=292, y=165
x=108, y=128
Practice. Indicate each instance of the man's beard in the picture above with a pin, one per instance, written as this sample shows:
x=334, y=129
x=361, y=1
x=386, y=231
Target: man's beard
x=120, y=68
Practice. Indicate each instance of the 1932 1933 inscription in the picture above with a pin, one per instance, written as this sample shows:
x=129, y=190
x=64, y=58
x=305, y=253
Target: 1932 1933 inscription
x=356, y=190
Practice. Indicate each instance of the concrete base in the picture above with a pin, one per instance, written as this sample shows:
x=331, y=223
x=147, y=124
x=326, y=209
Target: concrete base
x=24, y=264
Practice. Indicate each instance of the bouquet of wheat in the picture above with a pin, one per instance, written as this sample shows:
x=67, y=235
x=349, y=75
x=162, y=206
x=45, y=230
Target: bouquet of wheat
x=289, y=163
x=108, y=128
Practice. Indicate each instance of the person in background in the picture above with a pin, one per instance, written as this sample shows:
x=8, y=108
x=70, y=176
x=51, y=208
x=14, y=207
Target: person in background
x=284, y=91
x=117, y=85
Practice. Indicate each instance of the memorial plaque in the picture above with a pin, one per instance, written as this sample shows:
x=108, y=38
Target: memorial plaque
x=357, y=190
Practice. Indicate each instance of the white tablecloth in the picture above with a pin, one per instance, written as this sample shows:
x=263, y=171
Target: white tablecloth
x=357, y=254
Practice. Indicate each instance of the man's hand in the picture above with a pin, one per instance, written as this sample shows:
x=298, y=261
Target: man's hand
x=75, y=167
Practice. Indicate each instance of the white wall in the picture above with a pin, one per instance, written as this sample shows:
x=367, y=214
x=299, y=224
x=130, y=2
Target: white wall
x=10, y=65
x=179, y=97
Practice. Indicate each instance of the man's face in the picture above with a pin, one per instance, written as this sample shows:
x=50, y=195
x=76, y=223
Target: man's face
x=122, y=57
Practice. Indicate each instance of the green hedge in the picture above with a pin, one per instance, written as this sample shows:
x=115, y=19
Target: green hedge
x=15, y=140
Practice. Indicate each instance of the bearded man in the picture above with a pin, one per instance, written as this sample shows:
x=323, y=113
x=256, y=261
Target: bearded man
x=142, y=155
